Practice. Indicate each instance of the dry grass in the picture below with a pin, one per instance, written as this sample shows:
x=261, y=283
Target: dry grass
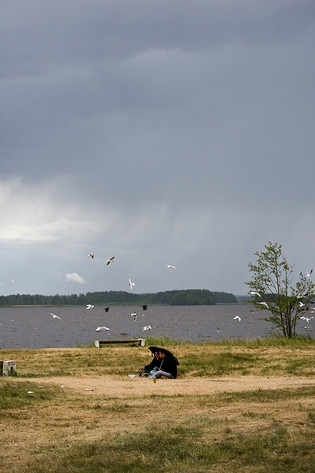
x=257, y=414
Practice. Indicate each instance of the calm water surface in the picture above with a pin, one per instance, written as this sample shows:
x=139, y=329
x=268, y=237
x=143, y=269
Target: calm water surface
x=34, y=327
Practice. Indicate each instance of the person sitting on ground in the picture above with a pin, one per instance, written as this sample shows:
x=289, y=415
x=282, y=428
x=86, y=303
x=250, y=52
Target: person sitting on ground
x=153, y=366
x=167, y=368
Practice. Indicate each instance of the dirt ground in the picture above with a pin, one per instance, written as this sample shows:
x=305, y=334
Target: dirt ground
x=124, y=386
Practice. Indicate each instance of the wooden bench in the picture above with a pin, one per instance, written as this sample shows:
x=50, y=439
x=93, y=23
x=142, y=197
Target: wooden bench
x=138, y=341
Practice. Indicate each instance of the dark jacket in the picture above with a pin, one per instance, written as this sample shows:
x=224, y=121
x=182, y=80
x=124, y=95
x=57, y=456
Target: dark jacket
x=154, y=363
x=168, y=364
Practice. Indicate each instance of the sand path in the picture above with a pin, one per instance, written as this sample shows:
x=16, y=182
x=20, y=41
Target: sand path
x=123, y=386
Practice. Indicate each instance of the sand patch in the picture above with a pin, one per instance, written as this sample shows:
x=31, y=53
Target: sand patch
x=123, y=386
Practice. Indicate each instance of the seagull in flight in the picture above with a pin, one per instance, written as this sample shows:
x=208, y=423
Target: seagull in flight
x=254, y=293
x=55, y=316
x=170, y=266
x=131, y=284
x=110, y=260
x=89, y=306
x=91, y=255
x=307, y=319
x=265, y=304
x=309, y=274
x=237, y=317
x=134, y=315
x=102, y=328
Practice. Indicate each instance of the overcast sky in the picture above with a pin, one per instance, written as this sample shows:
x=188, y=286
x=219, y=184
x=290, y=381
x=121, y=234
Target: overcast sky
x=156, y=131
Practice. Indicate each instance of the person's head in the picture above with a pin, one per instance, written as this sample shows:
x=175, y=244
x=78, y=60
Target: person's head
x=161, y=354
x=156, y=354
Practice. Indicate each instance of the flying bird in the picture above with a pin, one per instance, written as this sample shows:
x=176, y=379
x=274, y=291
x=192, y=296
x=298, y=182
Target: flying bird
x=55, y=316
x=170, y=266
x=101, y=328
x=146, y=327
x=237, y=317
x=131, y=284
x=110, y=260
x=309, y=274
x=89, y=306
x=265, y=304
x=134, y=315
x=307, y=319
x=254, y=293
x=91, y=255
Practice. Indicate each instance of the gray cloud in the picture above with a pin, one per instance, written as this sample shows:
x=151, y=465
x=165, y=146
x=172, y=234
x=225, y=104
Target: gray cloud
x=161, y=132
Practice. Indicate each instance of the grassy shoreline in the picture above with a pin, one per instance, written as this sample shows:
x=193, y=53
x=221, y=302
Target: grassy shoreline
x=262, y=357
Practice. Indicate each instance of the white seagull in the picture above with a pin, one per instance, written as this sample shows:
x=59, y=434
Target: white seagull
x=309, y=274
x=131, y=284
x=237, y=317
x=89, y=306
x=146, y=327
x=170, y=266
x=55, y=316
x=254, y=293
x=102, y=328
x=110, y=260
x=307, y=319
x=265, y=304
x=134, y=315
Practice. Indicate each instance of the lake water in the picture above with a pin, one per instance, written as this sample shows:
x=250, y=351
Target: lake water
x=34, y=327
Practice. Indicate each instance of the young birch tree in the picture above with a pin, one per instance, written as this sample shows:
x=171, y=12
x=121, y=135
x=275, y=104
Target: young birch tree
x=273, y=289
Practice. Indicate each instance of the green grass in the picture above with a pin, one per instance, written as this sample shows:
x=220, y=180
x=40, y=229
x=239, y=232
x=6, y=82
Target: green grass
x=15, y=396
x=268, y=341
x=219, y=364
x=185, y=448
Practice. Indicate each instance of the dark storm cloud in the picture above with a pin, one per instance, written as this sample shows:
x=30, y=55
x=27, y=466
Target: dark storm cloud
x=165, y=129
x=48, y=32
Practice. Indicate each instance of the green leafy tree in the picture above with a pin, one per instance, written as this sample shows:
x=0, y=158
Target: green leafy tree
x=273, y=289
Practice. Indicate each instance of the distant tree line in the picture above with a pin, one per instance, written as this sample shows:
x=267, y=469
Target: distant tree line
x=178, y=297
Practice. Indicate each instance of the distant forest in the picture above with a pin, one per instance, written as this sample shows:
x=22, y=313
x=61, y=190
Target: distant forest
x=179, y=297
